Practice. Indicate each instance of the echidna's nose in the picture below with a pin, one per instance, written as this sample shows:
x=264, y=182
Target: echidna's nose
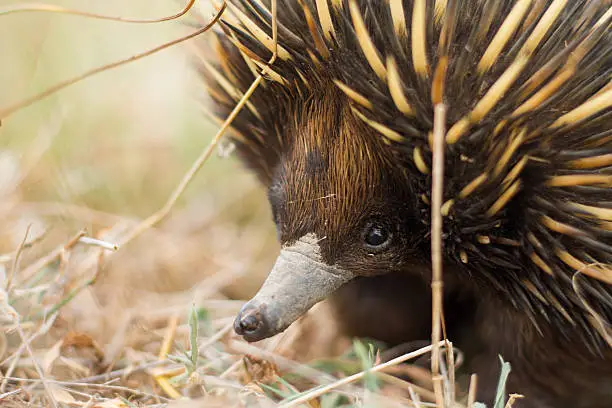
x=251, y=323
x=299, y=279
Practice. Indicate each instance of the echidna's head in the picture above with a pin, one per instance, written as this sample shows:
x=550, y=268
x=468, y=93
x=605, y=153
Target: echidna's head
x=340, y=133
x=341, y=210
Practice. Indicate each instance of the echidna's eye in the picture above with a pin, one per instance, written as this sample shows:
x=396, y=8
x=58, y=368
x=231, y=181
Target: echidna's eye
x=376, y=236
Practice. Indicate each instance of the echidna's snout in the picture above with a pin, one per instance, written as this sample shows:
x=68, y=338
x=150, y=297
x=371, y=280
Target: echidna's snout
x=299, y=280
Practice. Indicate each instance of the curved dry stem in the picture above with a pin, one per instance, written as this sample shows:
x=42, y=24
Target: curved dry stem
x=88, y=385
x=50, y=8
x=39, y=371
x=17, y=258
x=318, y=391
x=71, y=81
x=162, y=213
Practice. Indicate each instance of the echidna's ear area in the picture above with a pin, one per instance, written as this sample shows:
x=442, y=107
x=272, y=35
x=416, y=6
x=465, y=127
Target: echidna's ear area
x=528, y=87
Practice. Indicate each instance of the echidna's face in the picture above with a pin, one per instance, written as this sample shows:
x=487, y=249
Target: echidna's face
x=336, y=202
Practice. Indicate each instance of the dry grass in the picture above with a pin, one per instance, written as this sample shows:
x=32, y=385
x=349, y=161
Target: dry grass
x=149, y=324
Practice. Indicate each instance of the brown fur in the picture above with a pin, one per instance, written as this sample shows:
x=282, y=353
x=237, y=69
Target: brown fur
x=335, y=201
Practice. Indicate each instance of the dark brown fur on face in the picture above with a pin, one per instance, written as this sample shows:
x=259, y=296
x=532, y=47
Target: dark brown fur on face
x=340, y=201
x=340, y=136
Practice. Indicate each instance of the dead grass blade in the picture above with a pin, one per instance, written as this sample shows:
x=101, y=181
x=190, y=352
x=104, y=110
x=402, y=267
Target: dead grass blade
x=51, y=8
x=436, y=245
x=197, y=165
x=317, y=392
x=39, y=371
x=71, y=81
x=16, y=259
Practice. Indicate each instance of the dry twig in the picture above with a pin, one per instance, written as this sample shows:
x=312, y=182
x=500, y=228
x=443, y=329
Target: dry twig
x=51, y=8
x=317, y=392
x=71, y=81
x=436, y=245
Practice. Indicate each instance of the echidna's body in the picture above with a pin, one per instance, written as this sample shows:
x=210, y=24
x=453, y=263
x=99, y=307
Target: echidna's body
x=341, y=135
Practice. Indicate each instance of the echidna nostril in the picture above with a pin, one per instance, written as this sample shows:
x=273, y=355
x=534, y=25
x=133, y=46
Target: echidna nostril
x=250, y=323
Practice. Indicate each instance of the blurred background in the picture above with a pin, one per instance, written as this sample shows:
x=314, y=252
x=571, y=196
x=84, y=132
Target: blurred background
x=106, y=153
x=113, y=147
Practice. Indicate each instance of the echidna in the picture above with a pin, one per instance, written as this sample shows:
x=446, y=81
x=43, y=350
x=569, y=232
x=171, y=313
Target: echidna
x=341, y=136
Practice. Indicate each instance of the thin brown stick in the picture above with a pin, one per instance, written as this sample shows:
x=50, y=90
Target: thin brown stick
x=10, y=393
x=71, y=81
x=50, y=8
x=472, y=391
x=416, y=374
x=317, y=392
x=215, y=338
x=450, y=363
x=10, y=256
x=13, y=358
x=166, y=346
x=28, y=272
x=36, y=365
x=106, y=377
x=281, y=362
x=420, y=391
x=90, y=385
x=236, y=365
x=11, y=368
x=16, y=259
x=439, y=390
x=75, y=291
x=512, y=400
x=163, y=355
x=414, y=397
x=436, y=244
x=162, y=213
x=99, y=243
x=77, y=212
